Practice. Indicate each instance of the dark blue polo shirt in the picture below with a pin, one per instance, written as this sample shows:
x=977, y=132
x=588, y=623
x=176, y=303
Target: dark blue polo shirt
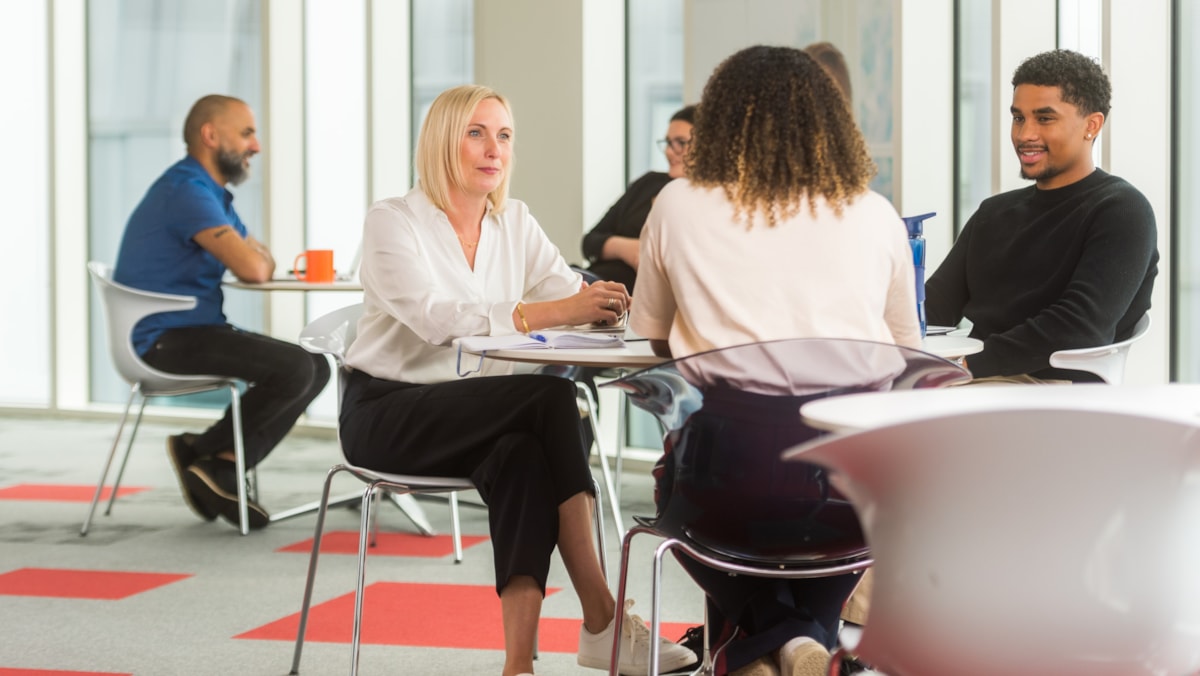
x=158, y=253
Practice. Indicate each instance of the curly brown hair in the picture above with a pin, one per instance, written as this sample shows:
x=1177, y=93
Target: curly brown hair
x=773, y=130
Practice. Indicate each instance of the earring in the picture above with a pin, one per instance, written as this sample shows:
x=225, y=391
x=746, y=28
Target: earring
x=1088, y=136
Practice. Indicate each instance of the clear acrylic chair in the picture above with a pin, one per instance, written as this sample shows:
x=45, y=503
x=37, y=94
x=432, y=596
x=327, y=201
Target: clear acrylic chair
x=332, y=334
x=728, y=414
x=1106, y=361
x=123, y=308
x=1053, y=540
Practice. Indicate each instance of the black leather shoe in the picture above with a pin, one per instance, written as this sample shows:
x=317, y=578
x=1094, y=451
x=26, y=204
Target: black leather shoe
x=213, y=482
x=182, y=455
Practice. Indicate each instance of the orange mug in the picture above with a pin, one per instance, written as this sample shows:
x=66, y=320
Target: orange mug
x=318, y=266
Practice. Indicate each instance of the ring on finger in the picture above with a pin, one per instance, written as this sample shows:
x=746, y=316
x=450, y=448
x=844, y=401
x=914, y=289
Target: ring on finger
x=611, y=301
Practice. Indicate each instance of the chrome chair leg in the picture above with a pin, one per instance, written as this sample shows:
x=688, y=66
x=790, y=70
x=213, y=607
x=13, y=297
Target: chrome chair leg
x=619, y=620
x=455, y=527
x=239, y=456
x=137, y=421
x=598, y=519
x=360, y=583
x=312, y=566
x=376, y=496
x=706, y=667
x=87, y=521
x=656, y=601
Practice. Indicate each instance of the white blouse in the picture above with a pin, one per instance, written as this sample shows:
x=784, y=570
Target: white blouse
x=706, y=280
x=420, y=293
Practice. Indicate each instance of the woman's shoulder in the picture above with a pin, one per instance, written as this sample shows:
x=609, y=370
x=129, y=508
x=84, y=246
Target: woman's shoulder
x=514, y=211
x=872, y=207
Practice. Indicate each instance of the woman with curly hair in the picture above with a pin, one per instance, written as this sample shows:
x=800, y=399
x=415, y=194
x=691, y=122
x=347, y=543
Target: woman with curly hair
x=773, y=234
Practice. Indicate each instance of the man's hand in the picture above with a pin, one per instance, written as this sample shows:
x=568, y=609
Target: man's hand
x=247, y=258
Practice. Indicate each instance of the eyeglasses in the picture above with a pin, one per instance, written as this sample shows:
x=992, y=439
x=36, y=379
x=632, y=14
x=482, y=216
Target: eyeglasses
x=677, y=144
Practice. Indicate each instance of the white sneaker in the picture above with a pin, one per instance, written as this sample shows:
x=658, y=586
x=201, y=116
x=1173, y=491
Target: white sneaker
x=803, y=656
x=595, y=650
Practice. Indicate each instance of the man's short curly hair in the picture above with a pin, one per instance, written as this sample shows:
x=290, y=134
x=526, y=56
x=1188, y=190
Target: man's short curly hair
x=1080, y=78
x=773, y=130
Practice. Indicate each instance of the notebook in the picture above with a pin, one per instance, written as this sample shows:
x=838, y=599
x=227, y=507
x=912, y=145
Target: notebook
x=541, y=340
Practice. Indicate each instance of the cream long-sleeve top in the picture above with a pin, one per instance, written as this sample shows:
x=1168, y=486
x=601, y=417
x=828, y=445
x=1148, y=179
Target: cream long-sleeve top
x=706, y=280
x=420, y=293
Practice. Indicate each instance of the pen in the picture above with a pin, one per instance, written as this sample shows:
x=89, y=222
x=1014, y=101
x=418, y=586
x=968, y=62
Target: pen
x=538, y=337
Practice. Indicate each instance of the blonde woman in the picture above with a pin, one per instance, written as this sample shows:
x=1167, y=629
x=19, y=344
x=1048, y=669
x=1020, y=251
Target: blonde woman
x=456, y=257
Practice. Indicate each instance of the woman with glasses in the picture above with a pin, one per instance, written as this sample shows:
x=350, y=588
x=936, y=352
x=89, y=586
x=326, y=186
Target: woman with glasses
x=612, y=246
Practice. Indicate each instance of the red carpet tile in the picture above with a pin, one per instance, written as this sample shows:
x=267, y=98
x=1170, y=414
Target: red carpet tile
x=81, y=584
x=42, y=672
x=429, y=615
x=60, y=493
x=389, y=544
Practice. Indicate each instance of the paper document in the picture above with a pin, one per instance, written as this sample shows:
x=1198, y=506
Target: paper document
x=540, y=340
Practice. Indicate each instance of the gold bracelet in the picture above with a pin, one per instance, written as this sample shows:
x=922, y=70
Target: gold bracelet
x=521, y=314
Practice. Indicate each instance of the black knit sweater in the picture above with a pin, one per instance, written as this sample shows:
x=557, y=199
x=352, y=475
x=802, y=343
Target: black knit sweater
x=1043, y=270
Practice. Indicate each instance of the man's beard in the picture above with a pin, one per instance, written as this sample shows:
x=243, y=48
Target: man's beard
x=1047, y=173
x=233, y=166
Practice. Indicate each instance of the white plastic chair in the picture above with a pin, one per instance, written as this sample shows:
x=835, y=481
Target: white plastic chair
x=1106, y=361
x=332, y=334
x=123, y=308
x=1048, y=541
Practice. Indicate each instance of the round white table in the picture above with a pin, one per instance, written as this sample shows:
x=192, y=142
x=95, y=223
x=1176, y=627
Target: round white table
x=294, y=285
x=637, y=353
x=856, y=412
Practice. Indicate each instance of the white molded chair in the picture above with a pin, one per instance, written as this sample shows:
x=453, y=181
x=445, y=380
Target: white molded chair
x=1050, y=541
x=333, y=334
x=1106, y=361
x=123, y=308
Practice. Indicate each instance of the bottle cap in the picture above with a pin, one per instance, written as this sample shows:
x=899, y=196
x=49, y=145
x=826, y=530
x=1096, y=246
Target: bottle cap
x=916, y=224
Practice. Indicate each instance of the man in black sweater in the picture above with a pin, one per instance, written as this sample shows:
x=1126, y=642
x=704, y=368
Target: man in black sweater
x=1066, y=263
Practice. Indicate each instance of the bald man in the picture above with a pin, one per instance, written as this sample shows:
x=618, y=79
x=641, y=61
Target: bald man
x=181, y=239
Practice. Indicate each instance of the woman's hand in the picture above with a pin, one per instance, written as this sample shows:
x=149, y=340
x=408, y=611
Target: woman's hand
x=600, y=303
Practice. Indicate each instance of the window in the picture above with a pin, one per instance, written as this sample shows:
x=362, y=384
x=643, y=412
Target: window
x=24, y=186
x=148, y=62
x=973, y=142
x=443, y=52
x=654, y=79
x=1185, y=238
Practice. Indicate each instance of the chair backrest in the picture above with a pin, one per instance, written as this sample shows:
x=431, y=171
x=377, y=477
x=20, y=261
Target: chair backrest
x=123, y=308
x=1048, y=541
x=1106, y=361
x=333, y=334
x=728, y=414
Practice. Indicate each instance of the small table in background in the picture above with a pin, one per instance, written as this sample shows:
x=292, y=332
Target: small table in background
x=294, y=285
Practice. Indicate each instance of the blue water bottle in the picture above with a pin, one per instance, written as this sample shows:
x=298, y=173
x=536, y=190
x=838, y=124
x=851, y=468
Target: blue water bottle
x=916, y=240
